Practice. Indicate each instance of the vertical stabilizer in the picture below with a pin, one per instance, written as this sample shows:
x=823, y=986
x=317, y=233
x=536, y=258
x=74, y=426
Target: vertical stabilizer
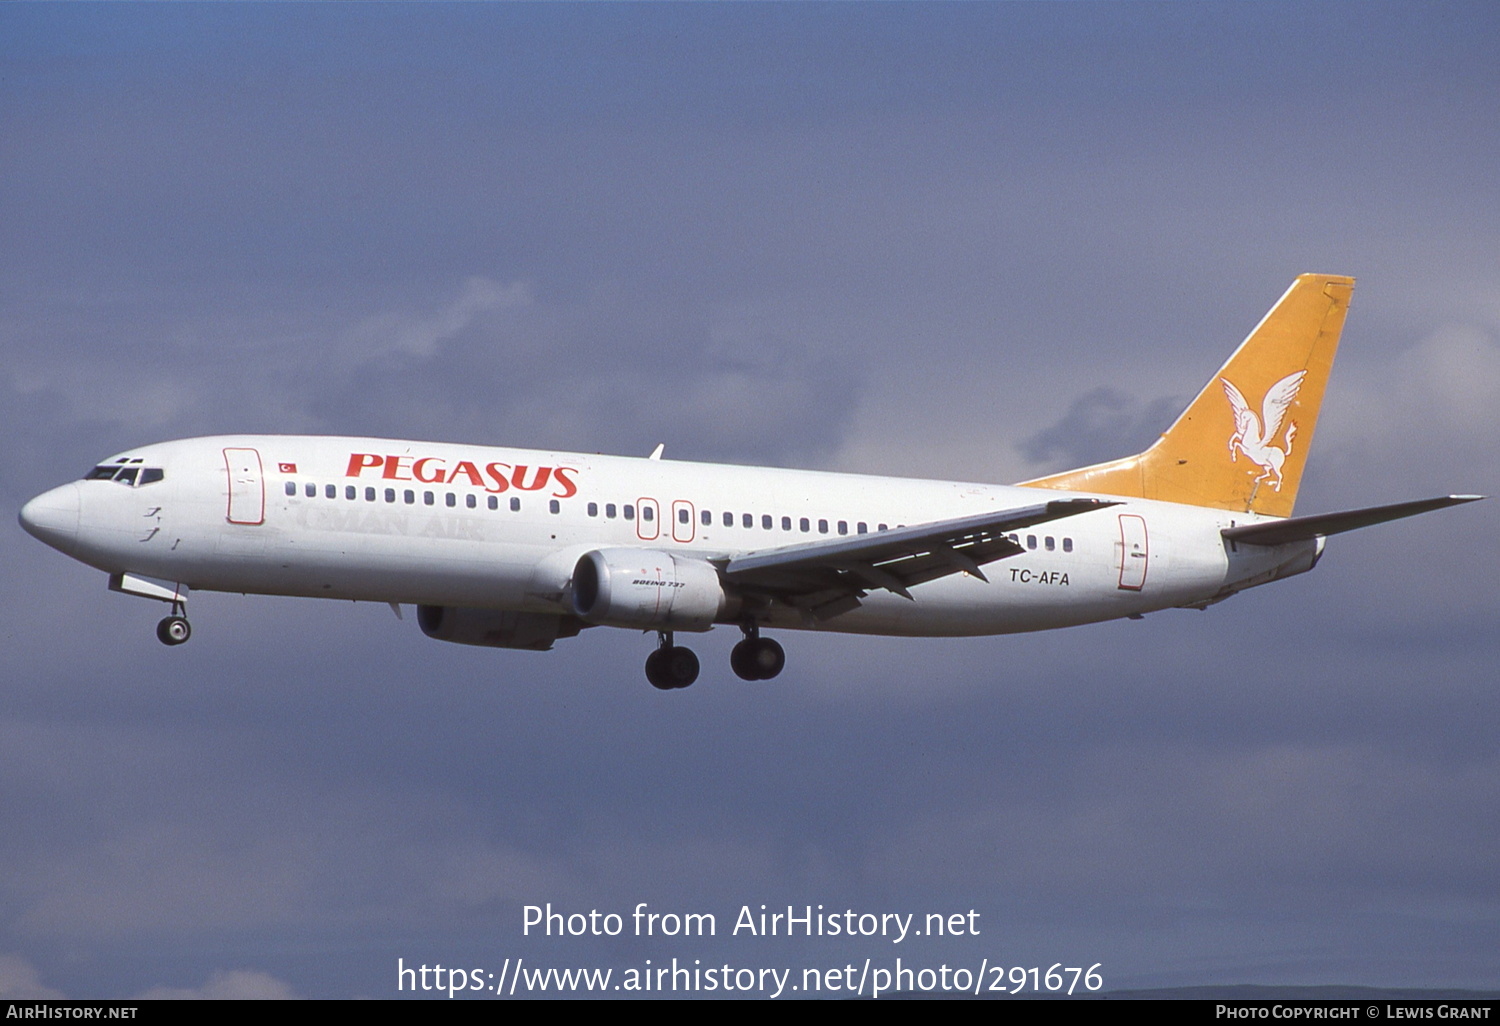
x=1242, y=443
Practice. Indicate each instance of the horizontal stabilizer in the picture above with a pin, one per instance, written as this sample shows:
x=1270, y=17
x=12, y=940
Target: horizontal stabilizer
x=1281, y=532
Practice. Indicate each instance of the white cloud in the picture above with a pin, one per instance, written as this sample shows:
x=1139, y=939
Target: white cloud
x=227, y=985
x=1453, y=379
x=19, y=981
x=1429, y=417
x=421, y=334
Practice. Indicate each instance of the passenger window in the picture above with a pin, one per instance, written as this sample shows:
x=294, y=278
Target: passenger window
x=1051, y=545
x=494, y=502
x=515, y=504
x=804, y=525
x=390, y=495
x=310, y=490
x=350, y=492
x=682, y=515
x=843, y=527
x=330, y=491
x=410, y=496
x=786, y=523
x=1031, y=541
x=555, y=506
x=593, y=509
x=705, y=516
x=609, y=510
x=427, y=498
x=291, y=487
x=822, y=527
x=728, y=519
x=861, y=528
x=1067, y=544
x=470, y=501
x=369, y=495
x=629, y=512
x=747, y=520
x=765, y=521
x=881, y=527
x=451, y=500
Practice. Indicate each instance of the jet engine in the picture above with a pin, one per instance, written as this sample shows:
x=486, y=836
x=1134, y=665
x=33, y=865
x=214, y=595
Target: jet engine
x=649, y=589
x=496, y=628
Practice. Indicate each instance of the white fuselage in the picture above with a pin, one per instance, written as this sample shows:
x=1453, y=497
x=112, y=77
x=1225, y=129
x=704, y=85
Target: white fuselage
x=468, y=526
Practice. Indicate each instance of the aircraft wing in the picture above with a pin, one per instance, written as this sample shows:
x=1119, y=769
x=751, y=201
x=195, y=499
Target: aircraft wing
x=1280, y=532
x=829, y=577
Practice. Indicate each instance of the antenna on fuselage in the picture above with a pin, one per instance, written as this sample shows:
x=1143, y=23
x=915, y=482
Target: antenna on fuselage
x=656, y=453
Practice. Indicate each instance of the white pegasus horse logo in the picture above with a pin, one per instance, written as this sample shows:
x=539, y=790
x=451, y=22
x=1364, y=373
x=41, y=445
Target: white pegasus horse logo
x=1252, y=435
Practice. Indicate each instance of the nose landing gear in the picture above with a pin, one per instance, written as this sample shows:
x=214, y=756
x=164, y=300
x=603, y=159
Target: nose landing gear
x=175, y=629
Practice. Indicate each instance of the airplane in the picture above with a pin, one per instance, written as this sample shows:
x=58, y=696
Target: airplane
x=514, y=548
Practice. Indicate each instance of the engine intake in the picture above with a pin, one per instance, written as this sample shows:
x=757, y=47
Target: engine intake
x=648, y=588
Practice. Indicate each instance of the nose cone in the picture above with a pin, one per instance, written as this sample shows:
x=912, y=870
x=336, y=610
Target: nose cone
x=52, y=517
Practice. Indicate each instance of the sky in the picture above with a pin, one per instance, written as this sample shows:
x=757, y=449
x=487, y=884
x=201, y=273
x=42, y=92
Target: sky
x=972, y=241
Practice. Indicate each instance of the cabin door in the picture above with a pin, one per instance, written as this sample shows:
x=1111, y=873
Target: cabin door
x=1133, y=552
x=247, y=487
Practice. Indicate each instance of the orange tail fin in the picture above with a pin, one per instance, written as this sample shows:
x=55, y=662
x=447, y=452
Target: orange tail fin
x=1242, y=443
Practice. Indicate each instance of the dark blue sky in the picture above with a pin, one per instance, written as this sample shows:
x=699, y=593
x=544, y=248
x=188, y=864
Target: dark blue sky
x=969, y=240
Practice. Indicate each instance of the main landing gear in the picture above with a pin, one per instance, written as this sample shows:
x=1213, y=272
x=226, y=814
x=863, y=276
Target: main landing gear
x=174, y=629
x=755, y=658
x=671, y=666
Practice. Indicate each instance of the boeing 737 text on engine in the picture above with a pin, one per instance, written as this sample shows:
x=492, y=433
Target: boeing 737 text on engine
x=517, y=549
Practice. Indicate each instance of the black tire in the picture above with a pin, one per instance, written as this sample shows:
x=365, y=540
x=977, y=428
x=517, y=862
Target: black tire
x=770, y=658
x=657, y=670
x=173, y=630
x=742, y=661
x=682, y=666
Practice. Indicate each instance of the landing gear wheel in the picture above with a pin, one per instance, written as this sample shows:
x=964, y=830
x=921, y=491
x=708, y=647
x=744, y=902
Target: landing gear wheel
x=656, y=670
x=671, y=667
x=757, y=659
x=742, y=660
x=173, y=630
x=682, y=666
x=770, y=658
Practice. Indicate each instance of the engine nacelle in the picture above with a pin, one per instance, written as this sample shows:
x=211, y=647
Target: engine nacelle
x=648, y=588
x=495, y=628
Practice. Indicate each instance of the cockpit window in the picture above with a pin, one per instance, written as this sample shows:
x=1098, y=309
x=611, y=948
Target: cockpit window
x=130, y=474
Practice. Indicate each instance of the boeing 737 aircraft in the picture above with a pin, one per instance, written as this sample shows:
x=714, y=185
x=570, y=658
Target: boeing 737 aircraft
x=518, y=548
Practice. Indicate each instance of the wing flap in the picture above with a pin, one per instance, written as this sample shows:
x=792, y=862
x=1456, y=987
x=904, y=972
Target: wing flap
x=822, y=576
